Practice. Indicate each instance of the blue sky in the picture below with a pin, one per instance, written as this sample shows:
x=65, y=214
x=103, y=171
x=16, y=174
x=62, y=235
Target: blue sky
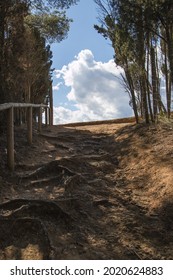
x=85, y=85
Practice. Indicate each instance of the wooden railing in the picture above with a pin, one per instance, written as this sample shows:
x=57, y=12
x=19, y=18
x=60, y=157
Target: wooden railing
x=10, y=125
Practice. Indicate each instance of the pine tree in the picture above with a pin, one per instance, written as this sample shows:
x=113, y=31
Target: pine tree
x=137, y=30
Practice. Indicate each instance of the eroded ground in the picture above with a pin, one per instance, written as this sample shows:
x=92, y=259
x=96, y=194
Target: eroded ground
x=89, y=192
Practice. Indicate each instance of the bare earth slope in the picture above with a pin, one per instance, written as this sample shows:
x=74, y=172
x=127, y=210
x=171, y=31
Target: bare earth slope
x=89, y=192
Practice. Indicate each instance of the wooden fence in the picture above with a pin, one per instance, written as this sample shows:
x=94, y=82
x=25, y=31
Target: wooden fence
x=10, y=124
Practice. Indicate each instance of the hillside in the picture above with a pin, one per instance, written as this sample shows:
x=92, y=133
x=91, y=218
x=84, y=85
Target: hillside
x=99, y=191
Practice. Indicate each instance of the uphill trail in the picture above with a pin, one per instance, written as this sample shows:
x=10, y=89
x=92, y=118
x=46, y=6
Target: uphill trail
x=102, y=191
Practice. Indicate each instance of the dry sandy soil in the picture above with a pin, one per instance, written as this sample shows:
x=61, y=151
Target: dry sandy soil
x=102, y=191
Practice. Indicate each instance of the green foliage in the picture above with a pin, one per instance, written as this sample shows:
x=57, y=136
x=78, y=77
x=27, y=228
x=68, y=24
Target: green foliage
x=36, y=64
x=54, y=27
x=26, y=26
x=25, y=60
x=46, y=5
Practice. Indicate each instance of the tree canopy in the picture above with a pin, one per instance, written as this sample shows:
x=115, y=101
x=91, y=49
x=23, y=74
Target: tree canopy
x=141, y=33
x=26, y=28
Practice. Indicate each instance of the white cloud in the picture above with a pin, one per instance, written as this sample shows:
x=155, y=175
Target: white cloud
x=64, y=115
x=57, y=86
x=95, y=90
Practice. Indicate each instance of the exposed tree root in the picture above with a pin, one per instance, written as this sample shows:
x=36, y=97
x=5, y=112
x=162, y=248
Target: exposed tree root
x=33, y=208
x=50, y=168
x=26, y=219
x=35, y=240
x=43, y=181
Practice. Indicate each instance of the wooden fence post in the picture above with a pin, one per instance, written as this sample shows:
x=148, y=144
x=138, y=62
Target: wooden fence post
x=46, y=116
x=9, y=107
x=29, y=125
x=39, y=119
x=51, y=105
x=10, y=138
x=49, y=116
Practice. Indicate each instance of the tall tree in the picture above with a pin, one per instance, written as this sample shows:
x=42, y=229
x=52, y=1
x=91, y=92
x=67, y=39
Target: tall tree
x=36, y=64
x=136, y=29
x=26, y=26
x=47, y=16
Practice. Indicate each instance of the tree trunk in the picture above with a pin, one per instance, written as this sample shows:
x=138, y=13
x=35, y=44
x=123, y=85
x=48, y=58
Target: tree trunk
x=132, y=92
x=141, y=61
x=148, y=85
x=2, y=19
x=168, y=84
x=51, y=105
x=169, y=37
x=154, y=83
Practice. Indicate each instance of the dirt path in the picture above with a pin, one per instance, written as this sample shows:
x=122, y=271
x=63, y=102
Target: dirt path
x=89, y=192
